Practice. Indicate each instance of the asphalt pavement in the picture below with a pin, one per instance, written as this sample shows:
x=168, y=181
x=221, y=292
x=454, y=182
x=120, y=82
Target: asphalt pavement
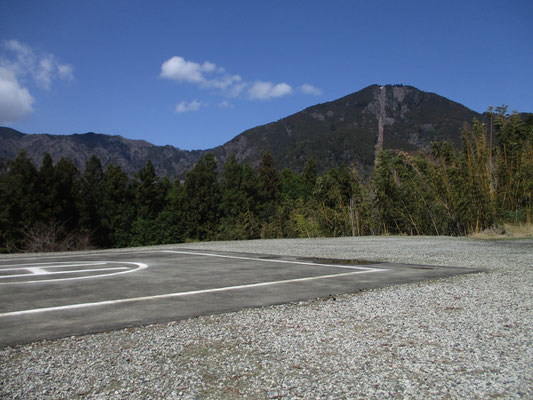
x=52, y=296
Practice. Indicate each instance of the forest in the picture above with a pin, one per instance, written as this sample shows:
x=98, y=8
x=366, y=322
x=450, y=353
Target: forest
x=486, y=182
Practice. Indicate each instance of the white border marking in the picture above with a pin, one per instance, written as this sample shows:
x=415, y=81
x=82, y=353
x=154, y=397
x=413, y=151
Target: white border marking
x=35, y=271
x=53, y=264
x=140, y=266
x=273, y=260
x=65, y=272
x=80, y=255
x=178, y=294
x=118, y=253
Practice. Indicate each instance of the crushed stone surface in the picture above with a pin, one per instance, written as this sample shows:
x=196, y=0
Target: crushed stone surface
x=464, y=337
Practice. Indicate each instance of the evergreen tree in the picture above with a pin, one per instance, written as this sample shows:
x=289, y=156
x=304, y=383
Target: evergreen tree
x=19, y=202
x=149, y=192
x=269, y=180
x=171, y=221
x=48, y=189
x=118, y=207
x=233, y=204
x=202, y=199
x=232, y=195
x=250, y=189
x=248, y=223
x=269, y=192
x=66, y=179
x=293, y=185
x=91, y=197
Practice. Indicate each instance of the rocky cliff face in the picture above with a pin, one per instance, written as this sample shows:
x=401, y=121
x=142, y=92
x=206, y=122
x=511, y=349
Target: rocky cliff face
x=349, y=130
x=414, y=119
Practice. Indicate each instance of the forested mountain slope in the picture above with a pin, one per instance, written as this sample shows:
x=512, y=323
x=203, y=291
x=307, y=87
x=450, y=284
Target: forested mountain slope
x=349, y=130
x=130, y=155
x=346, y=130
x=486, y=182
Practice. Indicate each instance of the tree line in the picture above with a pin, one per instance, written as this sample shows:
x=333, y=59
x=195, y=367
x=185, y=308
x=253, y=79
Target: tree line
x=451, y=192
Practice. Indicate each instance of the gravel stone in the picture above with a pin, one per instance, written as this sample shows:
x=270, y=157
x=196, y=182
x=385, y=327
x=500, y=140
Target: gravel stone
x=464, y=337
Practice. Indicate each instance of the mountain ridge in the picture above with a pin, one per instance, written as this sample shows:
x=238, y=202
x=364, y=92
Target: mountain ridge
x=351, y=129
x=346, y=129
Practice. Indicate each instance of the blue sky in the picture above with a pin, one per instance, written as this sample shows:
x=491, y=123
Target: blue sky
x=196, y=74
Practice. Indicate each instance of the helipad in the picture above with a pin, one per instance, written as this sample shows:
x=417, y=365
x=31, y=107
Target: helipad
x=53, y=296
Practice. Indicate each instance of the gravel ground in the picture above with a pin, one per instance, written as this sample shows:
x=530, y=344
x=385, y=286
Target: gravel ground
x=467, y=337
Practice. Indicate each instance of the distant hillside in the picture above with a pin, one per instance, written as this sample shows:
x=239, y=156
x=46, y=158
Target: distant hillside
x=130, y=155
x=348, y=130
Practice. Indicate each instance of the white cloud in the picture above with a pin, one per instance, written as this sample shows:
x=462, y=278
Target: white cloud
x=43, y=74
x=179, y=69
x=43, y=69
x=15, y=100
x=267, y=90
x=19, y=65
x=184, y=106
x=222, y=82
x=210, y=76
x=310, y=89
x=236, y=89
x=24, y=53
x=206, y=75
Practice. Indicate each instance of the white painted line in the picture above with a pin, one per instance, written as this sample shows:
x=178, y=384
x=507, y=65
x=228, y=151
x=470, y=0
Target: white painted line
x=65, y=272
x=178, y=294
x=272, y=260
x=18, y=267
x=36, y=270
x=52, y=264
x=140, y=266
x=118, y=253
x=82, y=255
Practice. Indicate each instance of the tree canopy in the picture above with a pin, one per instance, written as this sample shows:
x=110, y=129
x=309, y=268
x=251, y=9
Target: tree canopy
x=453, y=192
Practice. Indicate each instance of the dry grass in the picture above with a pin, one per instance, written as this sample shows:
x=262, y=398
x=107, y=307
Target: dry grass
x=48, y=238
x=508, y=231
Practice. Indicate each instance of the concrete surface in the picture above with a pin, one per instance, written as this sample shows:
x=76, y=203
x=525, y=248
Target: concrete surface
x=45, y=297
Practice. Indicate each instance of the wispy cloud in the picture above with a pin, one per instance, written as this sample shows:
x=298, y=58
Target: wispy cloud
x=267, y=90
x=208, y=75
x=43, y=69
x=20, y=65
x=184, y=106
x=65, y=72
x=310, y=89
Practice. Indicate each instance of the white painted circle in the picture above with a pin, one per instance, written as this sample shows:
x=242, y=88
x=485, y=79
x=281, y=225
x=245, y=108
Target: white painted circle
x=64, y=271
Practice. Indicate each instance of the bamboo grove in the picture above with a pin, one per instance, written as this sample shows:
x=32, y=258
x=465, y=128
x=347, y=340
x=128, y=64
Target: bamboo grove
x=453, y=191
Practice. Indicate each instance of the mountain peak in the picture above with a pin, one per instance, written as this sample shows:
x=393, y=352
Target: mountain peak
x=354, y=128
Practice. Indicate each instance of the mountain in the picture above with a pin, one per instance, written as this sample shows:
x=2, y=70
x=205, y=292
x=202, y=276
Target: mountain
x=354, y=128
x=349, y=130
x=130, y=155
